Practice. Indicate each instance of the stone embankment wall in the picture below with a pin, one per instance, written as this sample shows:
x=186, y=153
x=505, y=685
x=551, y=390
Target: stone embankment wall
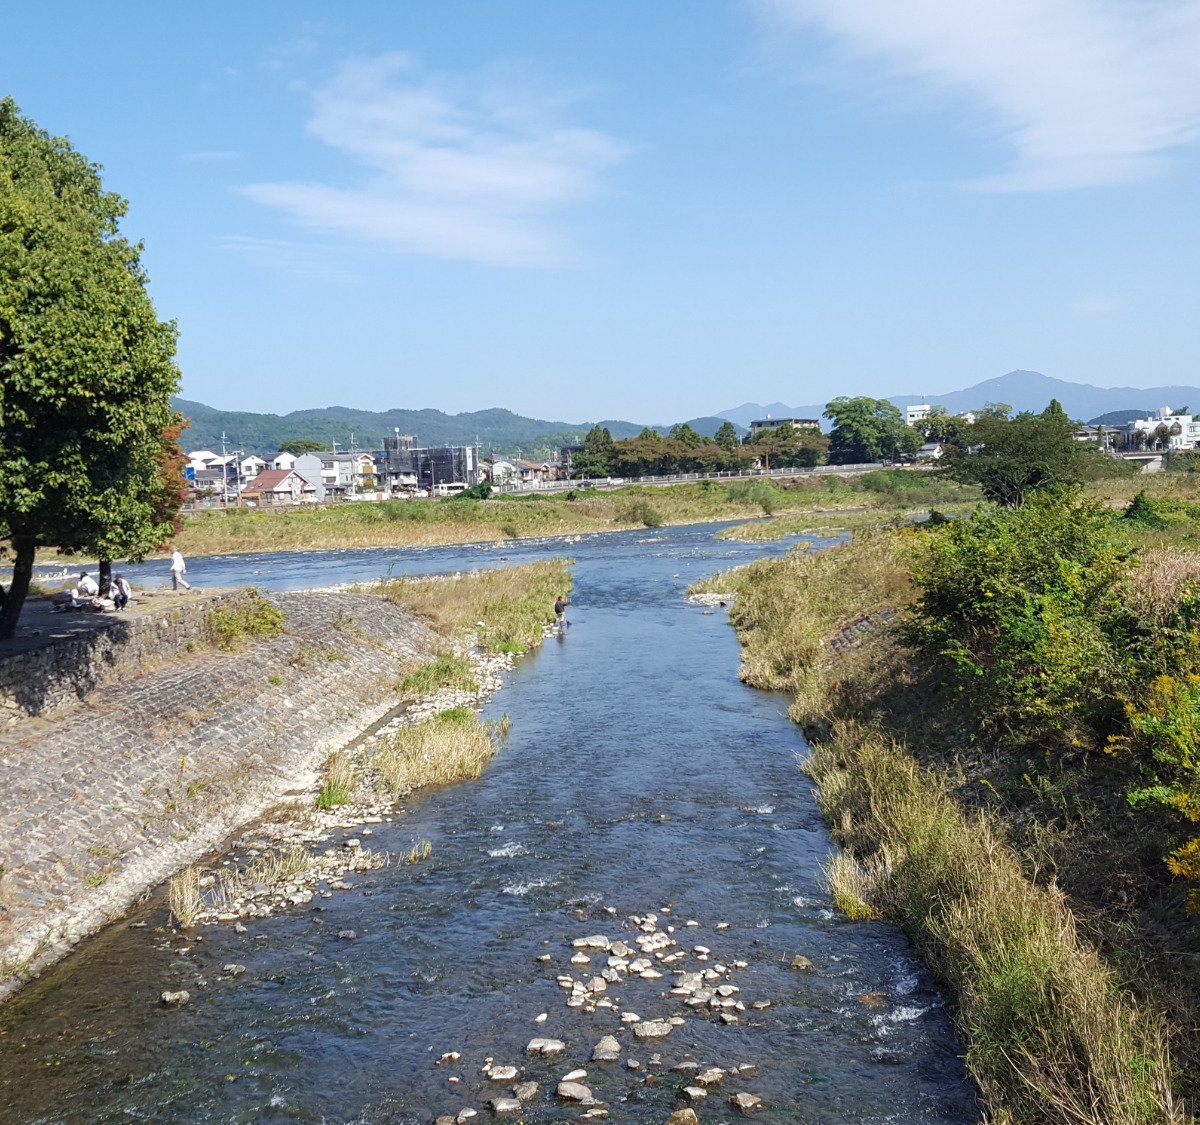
x=105, y=799
x=41, y=679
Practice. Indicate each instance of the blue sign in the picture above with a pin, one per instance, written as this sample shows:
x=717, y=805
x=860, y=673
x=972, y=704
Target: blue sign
x=189, y=473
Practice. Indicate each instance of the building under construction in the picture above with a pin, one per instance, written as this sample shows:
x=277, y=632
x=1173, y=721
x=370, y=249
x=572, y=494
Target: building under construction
x=403, y=466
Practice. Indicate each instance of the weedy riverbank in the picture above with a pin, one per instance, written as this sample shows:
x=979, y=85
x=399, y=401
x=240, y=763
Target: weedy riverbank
x=421, y=523
x=954, y=683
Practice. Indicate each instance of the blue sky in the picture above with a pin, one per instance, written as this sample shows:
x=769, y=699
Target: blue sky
x=650, y=211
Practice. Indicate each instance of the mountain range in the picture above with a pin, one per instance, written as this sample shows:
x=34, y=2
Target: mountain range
x=502, y=431
x=1022, y=390
x=496, y=430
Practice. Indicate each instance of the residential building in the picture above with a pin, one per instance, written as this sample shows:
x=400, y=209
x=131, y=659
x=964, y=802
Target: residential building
x=769, y=423
x=280, y=486
x=918, y=413
x=251, y=466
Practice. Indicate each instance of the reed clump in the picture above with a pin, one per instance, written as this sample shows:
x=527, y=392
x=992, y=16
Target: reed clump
x=339, y=781
x=452, y=746
x=183, y=896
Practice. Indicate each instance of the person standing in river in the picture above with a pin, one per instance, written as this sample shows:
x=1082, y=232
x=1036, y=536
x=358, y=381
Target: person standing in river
x=560, y=610
x=178, y=570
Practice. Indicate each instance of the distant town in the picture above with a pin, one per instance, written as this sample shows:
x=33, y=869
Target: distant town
x=403, y=468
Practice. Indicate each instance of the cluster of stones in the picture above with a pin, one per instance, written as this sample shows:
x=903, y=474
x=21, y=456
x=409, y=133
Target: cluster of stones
x=700, y=982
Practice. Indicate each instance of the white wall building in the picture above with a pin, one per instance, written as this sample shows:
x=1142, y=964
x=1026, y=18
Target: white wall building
x=915, y=414
x=1163, y=430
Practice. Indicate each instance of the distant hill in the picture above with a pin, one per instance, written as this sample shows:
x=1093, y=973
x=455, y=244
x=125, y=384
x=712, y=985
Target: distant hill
x=497, y=429
x=1022, y=390
x=1119, y=417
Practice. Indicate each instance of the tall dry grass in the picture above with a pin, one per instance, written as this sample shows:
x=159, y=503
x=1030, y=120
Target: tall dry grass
x=514, y=603
x=183, y=896
x=786, y=609
x=1052, y=1037
x=453, y=746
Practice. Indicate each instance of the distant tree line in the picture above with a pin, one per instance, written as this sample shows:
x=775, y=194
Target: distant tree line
x=683, y=450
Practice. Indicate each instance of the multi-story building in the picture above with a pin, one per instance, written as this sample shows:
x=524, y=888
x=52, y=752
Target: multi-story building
x=403, y=466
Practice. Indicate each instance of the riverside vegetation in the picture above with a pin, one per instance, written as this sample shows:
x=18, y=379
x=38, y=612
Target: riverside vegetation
x=413, y=523
x=1011, y=761
x=487, y=619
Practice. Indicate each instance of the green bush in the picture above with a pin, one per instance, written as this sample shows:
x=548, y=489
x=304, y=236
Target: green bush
x=1023, y=607
x=760, y=492
x=640, y=511
x=250, y=616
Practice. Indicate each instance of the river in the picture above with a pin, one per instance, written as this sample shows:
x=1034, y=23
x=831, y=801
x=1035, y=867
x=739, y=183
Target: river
x=640, y=776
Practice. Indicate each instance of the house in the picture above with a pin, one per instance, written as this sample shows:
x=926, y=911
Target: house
x=251, y=466
x=930, y=451
x=341, y=474
x=918, y=413
x=283, y=460
x=279, y=486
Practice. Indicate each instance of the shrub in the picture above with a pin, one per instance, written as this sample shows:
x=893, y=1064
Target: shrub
x=759, y=492
x=640, y=511
x=1141, y=511
x=249, y=616
x=1022, y=606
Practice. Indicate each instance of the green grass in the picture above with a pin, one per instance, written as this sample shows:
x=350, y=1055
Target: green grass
x=249, y=615
x=445, y=671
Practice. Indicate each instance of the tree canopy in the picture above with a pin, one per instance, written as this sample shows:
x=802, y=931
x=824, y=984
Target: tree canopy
x=598, y=457
x=300, y=446
x=868, y=429
x=86, y=367
x=1011, y=457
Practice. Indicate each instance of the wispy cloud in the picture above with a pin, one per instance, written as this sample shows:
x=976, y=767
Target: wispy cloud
x=470, y=169
x=310, y=263
x=1086, y=91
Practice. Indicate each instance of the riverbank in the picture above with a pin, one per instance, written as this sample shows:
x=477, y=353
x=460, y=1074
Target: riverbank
x=107, y=798
x=423, y=523
x=1059, y=990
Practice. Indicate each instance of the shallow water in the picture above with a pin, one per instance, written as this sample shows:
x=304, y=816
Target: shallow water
x=640, y=775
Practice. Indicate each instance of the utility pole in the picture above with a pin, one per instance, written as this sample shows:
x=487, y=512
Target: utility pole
x=224, y=476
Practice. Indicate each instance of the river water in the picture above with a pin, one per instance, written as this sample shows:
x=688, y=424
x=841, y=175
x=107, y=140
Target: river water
x=640, y=776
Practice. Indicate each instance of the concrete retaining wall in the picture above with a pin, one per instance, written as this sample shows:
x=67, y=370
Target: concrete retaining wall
x=37, y=678
x=104, y=799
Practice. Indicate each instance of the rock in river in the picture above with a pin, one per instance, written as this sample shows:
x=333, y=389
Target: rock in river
x=573, y=1091
x=176, y=999
x=607, y=1050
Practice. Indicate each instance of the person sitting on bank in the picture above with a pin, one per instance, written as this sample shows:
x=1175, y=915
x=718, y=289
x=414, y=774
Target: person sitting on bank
x=87, y=587
x=121, y=593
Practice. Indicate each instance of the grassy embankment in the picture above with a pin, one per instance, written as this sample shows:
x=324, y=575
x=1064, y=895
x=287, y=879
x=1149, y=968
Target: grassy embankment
x=404, y=523
x=1017, y=865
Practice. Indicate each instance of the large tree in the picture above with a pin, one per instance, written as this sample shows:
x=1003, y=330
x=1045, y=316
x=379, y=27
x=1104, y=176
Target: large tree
x=1011, y=457
x=598, y=457
x=86, y=367
x=868, y=429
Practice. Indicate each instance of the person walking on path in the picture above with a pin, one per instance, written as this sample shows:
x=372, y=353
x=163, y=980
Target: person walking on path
x=178, y=570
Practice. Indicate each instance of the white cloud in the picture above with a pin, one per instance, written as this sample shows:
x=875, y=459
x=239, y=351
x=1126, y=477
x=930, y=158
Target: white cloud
x=1086, y=91
x=469, y=170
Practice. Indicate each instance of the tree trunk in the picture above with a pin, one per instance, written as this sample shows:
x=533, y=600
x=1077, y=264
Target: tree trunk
x=10, y=613
x=105, y=578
